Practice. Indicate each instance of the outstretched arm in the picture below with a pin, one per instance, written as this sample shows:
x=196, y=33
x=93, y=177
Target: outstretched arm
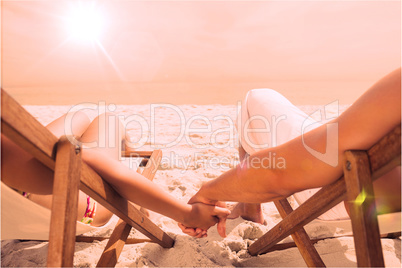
x=372, y=116
x=136, y=188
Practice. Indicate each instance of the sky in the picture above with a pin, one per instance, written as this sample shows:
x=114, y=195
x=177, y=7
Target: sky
x=195, y=49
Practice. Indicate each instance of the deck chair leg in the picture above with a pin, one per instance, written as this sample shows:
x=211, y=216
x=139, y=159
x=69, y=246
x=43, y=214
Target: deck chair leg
x=115, y=245
x=361, y=202
x=65, y=205
x=323, y=200
x=122, y=230
x=301, y=238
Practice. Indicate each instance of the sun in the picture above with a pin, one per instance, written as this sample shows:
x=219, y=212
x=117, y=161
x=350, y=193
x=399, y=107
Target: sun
x=85, y=22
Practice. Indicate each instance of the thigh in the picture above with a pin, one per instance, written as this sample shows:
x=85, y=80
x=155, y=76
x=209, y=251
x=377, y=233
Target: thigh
x=282, y=121
x=102, y=215
x=106, y=134
x=77, y=122
x=21, y=171
x=268, y=119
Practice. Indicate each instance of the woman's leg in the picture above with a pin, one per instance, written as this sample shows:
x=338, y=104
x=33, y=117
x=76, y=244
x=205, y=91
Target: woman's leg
x=105, y=134
x=265, y=109
x=268, y=119
x=37, y=179
x=21, y=171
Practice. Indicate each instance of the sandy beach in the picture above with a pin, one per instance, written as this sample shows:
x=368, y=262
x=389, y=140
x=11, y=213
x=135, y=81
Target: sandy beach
x=194, y=61
x=185, y=166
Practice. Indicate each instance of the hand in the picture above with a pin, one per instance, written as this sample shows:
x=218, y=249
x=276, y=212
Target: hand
x=198, y=197
x=197, y=232
x=202, y=217
x=194, y=232
x=200, y=233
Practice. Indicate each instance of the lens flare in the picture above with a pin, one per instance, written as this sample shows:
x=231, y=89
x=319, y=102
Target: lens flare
x=85, y=22
x=361, y=198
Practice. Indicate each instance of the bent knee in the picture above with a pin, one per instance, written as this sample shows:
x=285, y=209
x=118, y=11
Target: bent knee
x=79, y=118
x=259, y=94
x=77, y=122
x=114, y=120
x=265, y=102
x=81, y=115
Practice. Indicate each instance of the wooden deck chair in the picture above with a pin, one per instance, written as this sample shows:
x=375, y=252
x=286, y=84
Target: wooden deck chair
x=71, y=174
x=360, y=169
x=23, y=219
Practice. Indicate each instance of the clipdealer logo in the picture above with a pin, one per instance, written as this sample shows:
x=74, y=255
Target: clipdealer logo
x=329, y=112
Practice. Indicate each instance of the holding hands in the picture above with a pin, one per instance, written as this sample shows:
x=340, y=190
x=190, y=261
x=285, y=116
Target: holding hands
x=205, y=214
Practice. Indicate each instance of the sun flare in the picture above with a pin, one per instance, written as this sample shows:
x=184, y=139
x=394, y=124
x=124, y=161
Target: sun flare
x=85, y=22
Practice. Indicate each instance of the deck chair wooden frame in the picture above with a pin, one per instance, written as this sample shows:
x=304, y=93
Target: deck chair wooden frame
x=71, y=174
x=361, y=168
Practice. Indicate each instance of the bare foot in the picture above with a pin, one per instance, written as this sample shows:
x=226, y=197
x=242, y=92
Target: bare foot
x=249, y=212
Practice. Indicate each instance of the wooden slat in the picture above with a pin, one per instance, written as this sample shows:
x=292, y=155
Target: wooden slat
x=22, y=128
x=144, y=154
x=115, y=245
x=144, y=162
x=361, y=202
x=119, y=236
x=325, y=199
x=302, y=240
x=152, y=165
x=132, y=153
x=64, y=205
x=386, y=153
x=32, y=132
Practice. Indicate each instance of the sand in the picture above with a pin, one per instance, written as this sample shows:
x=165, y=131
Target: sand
x=183, y=169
